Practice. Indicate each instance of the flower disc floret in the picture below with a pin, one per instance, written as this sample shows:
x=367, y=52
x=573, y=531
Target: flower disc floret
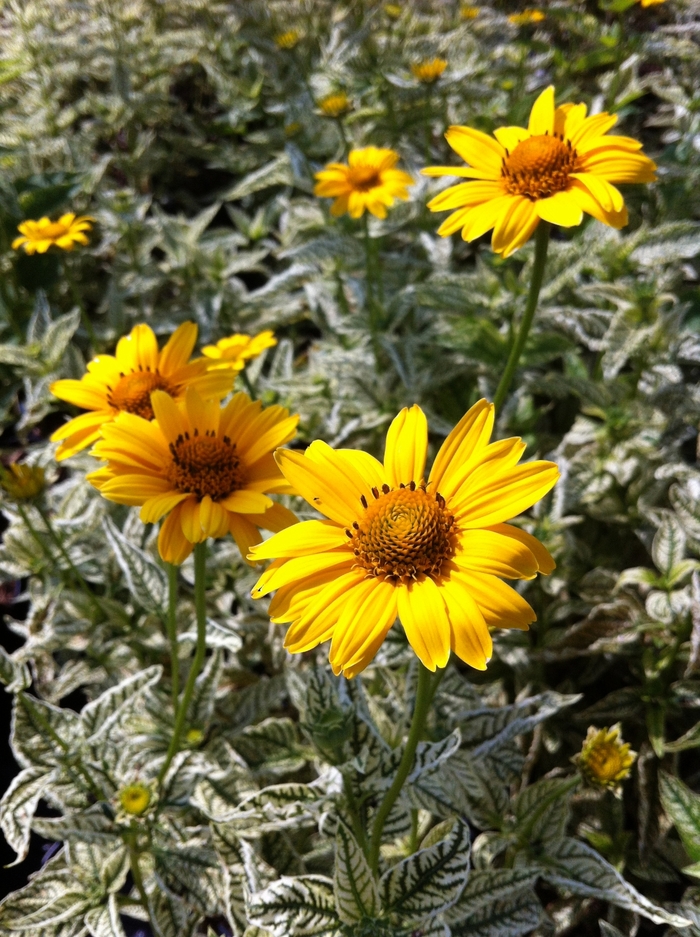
x=133, y=392
x=431, y=552
x=369, y=182
x=562, y=165
x=205, y=465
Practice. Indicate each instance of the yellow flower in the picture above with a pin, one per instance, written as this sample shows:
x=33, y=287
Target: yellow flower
x=651, y=3
x=38, y=236
x=392, y=10
x=369, y=181
x=124, y=381
x=288, y=39
x=135, y=799
x=526, y=17
x=561, y=166
x=22, y=482
x=208, y=469
x=233, y=352
x=395, y=544
x=604, y=760
x=468, y=12
x=333, y=105
x=429, y=70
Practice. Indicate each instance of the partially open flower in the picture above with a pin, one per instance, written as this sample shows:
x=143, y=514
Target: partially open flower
x=334, y=105
x=605, y=760
x=429, y=71
x=232, y=353
x=22, y=482
x=36, y=237
x=288, y=39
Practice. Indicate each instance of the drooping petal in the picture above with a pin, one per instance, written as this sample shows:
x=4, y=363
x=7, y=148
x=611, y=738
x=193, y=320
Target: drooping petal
x=424, y=618
x=560, y=209
x=469, y=636
x=173, y=546
x=159, y=505
x=515, y=225
x=545, y=562
x=322, y=613
x=361, y=629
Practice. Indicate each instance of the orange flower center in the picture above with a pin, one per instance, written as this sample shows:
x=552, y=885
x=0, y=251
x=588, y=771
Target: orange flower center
x=405, y=533
x=539, y=166
x=133, y=392
x=205, y=465
x=364, y=178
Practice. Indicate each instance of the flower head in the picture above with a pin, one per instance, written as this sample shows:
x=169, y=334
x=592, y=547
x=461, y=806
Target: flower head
x=135, y=799
x=393, y=10
x=604, y=760
x=36, y=237
x=124, y=382
x=288, y=39
x=369, y=181
x=208, y=469
x=334, y=105
x=468, y=12
x=395, y=543
x=429, y=70
x=651, y=3
x=561, y=166
x=22, y=482
x=526, y=18
x=233, y=352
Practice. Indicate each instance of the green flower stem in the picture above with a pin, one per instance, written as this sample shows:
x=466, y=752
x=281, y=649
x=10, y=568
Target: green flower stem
x=200, y=571
x=371, y=298
x=541, y=244
x=76, y=575
x=134, y=856
x=424, y=694
x=172, y=633
x=354, y=812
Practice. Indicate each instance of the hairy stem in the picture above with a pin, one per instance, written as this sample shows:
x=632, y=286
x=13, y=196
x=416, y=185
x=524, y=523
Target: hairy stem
x=541, y=244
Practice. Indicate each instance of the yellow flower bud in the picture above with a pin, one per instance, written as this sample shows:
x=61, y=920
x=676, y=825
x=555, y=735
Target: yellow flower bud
x=605, y=760
x=22, y=482
x=135, y=799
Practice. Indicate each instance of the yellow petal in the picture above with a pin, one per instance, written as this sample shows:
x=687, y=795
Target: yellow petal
x=212, y=517
x=81, y=394
x=542, y=113
x=469, y=636
x=406, y=447
x=202, y=414
x=560, y=209
x=314, y=485
x=276, y=518
x=545, y=561
x=590, y=205
x=172, y=544
x=190, y=522
x=619, y=167
x=161, y=504
x=594, y=126
x=501, y=605
x=134, y=489
x=282, y=572
x=246, y=502
x=490, y=497
x=322, y=613
x=466, y=194
x=363, y=625
x=138, y=349
x=488, y=551
x=609, y=198
x=462, y=446
x=509, y=137
x=477, y=149
x=291, y=602
x=348, y=473
x=573, y=119
x=244, y=532
x=302, y=540
x=84, y=425
x=424, y=619
x=177, y=350
x=460, y=171
x=515, y=225
x=482, y=218
x=168, y=415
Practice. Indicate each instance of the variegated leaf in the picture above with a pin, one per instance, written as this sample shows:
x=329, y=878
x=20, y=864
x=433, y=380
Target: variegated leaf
x=296, y=907
x=356, y=893
x=514, y=915
x=18, y=804
x=105, y=920
x=490, y=887
x=42, y=733
x=115, y=704
x=146, y=580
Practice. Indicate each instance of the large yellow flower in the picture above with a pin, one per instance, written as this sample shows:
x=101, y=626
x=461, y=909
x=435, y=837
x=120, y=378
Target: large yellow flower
x=233, y=352
x=209, y=469
x=38, y=236
x=369, y=181
x=395, y=544
x=124, y=381
x=561, y=166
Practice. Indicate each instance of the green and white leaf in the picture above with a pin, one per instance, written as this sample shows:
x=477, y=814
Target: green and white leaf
x=356, y=892
x=14, y=676
x=683, y=807
x=516, y=914
x=18, y=805
x=491, y=887
x=116, y=704
x=296, y=907
x=105, y=921
x=146, y=580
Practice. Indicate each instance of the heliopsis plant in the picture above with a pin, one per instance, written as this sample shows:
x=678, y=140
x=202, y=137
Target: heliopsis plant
x=369, y=182
x=233, y=352
x=562, y=165
x=123, y=383
x=207, y=470
x=605, y=760
x=431, y=550
x=36, y=237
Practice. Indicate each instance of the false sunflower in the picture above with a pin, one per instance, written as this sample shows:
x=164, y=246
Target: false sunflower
x=561, y=166
x=369, y=182
x=36, y=237
x=233, y=352
x=429, y=551
x=605, y=760
x=208, y=469
x=124, y=382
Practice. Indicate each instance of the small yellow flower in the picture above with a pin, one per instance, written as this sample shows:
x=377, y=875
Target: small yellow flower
x=432, y=549
x=209, y=469
x=124, y=382
x=393, y=10
x=651, y=3
x=526, y=18
x=38, y=236
x=233, y=352
x=194, y=737
x=369, y=182
x=22, y=482
x=429, y=71
x=468, y=12
x=333, y=105
x=604, y=760
x=561, y=166
x=288, y=39
x=135, y=799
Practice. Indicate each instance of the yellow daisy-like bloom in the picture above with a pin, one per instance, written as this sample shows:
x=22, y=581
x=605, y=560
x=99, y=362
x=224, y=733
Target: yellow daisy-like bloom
x=604, y=760
x=36, y=237
x=22, y=482
x=526, y=18
x=124, y=382
x=429, y=71
x=334, y=105
x=430, y=551
x=557, y=168
x=393, y=10
x=468, y=12
x=233, y=352
x=135, y=799
x=208, y=469
x=369, y=181
x=288, y=39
